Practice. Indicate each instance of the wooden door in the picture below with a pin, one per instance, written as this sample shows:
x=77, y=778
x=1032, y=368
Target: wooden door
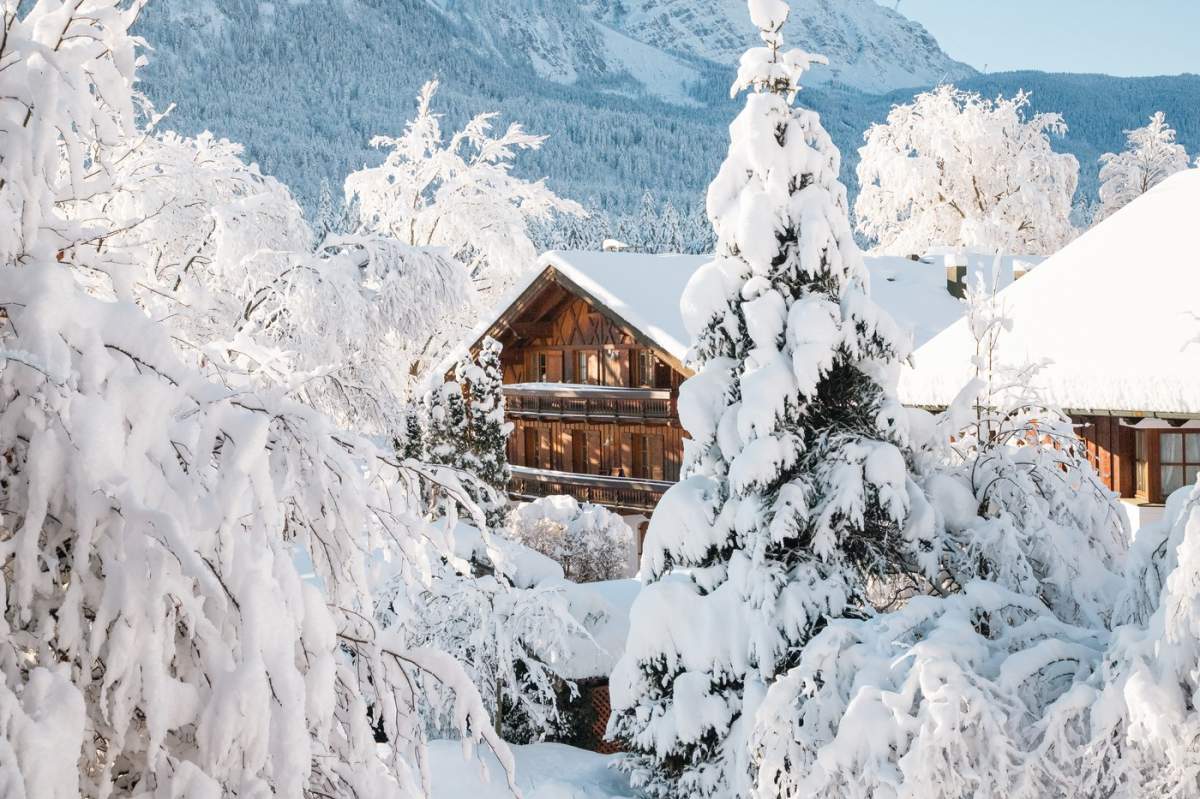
x=531, y=448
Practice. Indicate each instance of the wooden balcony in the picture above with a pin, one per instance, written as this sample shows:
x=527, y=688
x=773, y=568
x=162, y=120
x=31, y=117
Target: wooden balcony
x=618, y=493
x=589, y=403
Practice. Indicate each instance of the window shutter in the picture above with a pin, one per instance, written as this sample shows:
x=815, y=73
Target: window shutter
x=656, y=457
x=593, y=453
x=627, y=454
x=544, y=461
x=564, y=451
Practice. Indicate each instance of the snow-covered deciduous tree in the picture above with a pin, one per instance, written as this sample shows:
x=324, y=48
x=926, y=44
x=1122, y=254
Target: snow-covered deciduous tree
x=953, y=169
x=1134, y=723
x=971, y=681
x=223, y=251
x=590, y=542
x=797, y=490
x=156, y=637
x=459, y=194
x=1151, y=156
x=506, y=632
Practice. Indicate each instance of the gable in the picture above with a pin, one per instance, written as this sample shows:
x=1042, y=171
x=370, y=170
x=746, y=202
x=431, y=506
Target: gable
x=555, y=311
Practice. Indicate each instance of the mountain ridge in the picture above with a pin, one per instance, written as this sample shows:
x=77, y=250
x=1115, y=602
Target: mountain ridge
x=305, y=84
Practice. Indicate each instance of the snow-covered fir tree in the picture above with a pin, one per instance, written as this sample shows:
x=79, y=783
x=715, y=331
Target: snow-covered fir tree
x=447, y=442
x=412, y=445
x=157, y=637
x=953, y=169
x=334, y=216
x=1151, y=155
x=968, y=682
x=797, y=488
x=487, y=429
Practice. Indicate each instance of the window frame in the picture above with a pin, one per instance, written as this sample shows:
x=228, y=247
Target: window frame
x=1183, y=463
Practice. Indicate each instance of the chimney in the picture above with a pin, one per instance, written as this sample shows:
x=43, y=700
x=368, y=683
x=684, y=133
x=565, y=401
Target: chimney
x=956, y=274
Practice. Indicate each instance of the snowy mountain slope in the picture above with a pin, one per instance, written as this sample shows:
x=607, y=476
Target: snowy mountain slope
x=563, y=43
x=870, y=48
x=306, y=85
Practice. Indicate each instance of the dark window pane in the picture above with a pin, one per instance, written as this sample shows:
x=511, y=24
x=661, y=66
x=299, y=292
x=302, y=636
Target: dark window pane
x=1192, y=447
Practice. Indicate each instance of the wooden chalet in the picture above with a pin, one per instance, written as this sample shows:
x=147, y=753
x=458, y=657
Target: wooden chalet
x=1114, y=318
x=594, y=348
x=593, y=359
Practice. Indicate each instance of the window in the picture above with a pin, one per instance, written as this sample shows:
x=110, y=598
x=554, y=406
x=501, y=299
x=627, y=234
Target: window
x=582, y=375
x=1179, y=460
x=541, y=368
x=645, y=368
x=647, y=457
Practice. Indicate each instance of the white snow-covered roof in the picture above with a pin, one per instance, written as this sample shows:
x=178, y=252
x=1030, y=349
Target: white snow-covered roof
x=1114, y=312
x=645, y=291
x=914, y=293
x=642, y=289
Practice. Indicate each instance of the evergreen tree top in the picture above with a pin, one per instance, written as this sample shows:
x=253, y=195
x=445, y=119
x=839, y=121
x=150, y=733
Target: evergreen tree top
x=770, y=69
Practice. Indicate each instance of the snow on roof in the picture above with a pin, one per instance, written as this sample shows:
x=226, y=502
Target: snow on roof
x=1114, y=312
x=915, y=292
x=644, y=290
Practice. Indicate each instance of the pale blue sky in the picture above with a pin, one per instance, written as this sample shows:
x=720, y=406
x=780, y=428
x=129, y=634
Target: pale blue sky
x=1116, y=37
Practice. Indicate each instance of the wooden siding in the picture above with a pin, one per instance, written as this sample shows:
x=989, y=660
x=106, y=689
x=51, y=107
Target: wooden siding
x=1110, y=448
x=575, y=327
x=613, y=450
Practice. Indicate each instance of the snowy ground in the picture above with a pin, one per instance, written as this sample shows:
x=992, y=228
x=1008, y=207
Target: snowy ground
x=544, y=771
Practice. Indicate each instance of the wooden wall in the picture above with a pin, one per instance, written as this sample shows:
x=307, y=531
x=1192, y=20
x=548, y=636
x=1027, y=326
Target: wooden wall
x=1110, y=448
x=611, y=449
x=575, y=327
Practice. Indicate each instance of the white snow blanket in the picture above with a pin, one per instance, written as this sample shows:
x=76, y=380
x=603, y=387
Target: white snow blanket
x=1114, y=312
x=544, y=771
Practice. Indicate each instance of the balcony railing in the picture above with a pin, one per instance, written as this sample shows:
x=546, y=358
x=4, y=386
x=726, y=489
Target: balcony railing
x=614, y=492
x=566, y=401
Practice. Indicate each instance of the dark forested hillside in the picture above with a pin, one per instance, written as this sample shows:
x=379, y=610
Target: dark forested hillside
x=306, y=85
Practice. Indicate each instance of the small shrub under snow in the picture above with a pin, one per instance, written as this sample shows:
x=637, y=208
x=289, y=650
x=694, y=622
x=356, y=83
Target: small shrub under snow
x=590, y=542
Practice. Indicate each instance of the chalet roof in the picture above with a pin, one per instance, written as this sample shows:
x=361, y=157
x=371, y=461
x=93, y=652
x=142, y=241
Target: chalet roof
x=644, y=291
x=1114, y=312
